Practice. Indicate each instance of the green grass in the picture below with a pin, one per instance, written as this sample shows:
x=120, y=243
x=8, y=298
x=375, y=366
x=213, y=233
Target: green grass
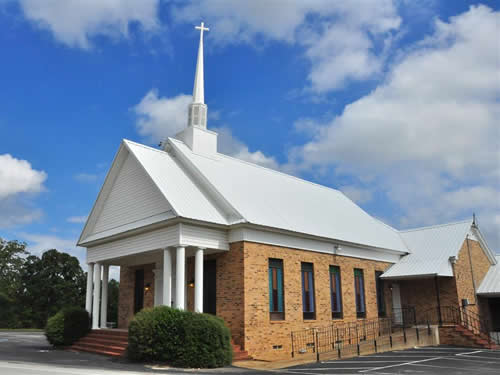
x=21, y=330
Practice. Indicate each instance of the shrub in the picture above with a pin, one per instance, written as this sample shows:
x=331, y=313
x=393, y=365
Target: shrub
x=180, y=338
x=67, y=326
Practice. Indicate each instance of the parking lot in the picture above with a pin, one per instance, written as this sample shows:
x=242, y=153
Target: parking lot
x=426, y=360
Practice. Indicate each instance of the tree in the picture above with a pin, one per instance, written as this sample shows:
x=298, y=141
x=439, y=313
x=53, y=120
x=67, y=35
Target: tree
x=12, y=257
x=48, y=284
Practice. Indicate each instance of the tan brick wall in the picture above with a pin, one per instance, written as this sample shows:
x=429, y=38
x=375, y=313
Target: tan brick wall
x=421, y=294
x=260, y=332
x=126, y=292
x=463, y=273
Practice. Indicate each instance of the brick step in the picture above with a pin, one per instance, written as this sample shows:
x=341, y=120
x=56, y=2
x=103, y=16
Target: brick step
x=114, y=348
x=104, y=340
x=241, y=356
x=109, y=332
x=80, y=348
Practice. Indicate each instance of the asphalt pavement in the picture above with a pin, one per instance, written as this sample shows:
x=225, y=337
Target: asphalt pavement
x=27, y=353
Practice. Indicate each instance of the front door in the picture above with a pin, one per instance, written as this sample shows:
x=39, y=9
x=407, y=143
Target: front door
x=209, y=287
x=396, y=304
x=139, y=291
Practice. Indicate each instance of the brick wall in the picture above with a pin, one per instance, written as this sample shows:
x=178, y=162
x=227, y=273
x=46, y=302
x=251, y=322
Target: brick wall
x=260, y=332
x=463, y=273
x=421, y=293
x=127, y=290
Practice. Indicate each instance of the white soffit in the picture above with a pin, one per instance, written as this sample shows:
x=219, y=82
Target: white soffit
x=491, y=282
x=431, y=248
x=269, y=198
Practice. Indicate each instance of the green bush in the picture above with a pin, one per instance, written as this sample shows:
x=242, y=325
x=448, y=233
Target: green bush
x=180, y=338
x=67, y=326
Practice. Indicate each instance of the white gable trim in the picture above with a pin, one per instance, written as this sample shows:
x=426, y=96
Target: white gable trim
x=484, y=244
x=277, y=238
x=88, y=235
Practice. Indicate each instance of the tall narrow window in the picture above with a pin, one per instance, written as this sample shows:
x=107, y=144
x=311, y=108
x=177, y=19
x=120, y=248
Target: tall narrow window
x=336, y=293
x=359, y=290
x=380, y=293
x=309, y=312
x=276, y=300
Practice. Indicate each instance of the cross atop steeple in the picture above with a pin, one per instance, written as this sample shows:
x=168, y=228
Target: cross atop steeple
x=198, y=110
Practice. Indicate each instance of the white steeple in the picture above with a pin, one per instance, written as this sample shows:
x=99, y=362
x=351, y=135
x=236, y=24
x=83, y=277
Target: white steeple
x=197, y=115
x=196, y=136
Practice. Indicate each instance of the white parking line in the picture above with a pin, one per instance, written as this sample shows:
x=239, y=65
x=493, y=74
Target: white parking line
x=361, y=361
x=453, y=368
x=478, y=356
x=401, y=364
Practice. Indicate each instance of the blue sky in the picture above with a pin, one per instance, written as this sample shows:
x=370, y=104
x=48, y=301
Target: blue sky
x=394, y=102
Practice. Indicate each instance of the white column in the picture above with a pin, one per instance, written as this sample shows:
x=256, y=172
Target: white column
x=104, y=297
x=180, y=281
x=90, y=284
x=198, y=281
x=167, y=277
x=97, y=296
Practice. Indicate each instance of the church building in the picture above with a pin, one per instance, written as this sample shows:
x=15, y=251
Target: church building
x=267, y=252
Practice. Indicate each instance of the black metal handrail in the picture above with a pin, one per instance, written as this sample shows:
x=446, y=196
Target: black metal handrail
x=404, y=316
x=350, y=334
x=452, y=315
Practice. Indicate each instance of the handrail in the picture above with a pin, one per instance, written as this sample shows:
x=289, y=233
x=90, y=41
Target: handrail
x=459, y=316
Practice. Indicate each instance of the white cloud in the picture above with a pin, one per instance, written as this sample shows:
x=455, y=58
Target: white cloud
x=19, y=182
x=75, y=22
x=428, y=136
x=161, y=117
x=357, y=194
x=158, y=118
x=77, y=219
x=86, y=177
x=18, y=176
x=38, y=243
x=343, y=40
x=230, y=145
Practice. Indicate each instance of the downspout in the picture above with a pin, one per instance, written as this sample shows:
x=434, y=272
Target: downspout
x=471, y=270
x=436, y=283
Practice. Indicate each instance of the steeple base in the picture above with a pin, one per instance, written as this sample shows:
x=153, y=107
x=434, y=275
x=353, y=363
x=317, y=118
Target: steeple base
x=200, y=141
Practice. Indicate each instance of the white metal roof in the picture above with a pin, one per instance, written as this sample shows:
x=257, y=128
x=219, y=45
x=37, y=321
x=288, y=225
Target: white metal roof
x=491, y=282
x=431, y=248
x=177, y=186
x=269, y=198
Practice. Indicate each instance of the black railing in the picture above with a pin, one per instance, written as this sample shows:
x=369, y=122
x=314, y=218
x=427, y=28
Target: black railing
x=404, y=316
x=452, y=315
x=349, y=336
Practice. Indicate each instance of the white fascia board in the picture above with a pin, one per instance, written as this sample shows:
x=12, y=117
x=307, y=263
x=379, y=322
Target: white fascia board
x=484, y=244
x=124, y=229
x=203, y=237
x=105, y=189
x=295, y=241
x=231, y=213
x=410, y=277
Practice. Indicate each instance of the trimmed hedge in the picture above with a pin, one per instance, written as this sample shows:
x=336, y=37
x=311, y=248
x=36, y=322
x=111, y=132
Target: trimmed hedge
x=179, y=338
x=67, y=326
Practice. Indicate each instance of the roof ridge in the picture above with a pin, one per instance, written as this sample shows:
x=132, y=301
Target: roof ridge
x=144, y=146
x=268, y=169
x=435, y=226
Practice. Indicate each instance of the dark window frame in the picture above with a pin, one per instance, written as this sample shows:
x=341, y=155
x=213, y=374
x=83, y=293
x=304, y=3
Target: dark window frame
x=336, y=299
x=379, y=286
x=274, y=268
x=308, y=291
x=359, y=293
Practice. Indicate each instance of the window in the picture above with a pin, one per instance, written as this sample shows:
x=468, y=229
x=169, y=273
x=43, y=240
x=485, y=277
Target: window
x=380, y=293
x=359, y=290
x=276, y=300
x=308, y=291
x=336, y=293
